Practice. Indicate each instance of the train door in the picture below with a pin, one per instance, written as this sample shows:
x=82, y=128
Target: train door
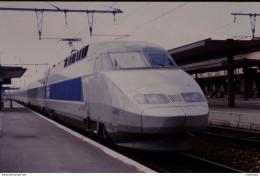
x=97, y=80
x=101, y=65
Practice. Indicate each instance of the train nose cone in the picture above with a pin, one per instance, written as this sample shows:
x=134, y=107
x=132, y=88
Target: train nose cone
x=174, y=119
x=163, y=120
x=196, y=118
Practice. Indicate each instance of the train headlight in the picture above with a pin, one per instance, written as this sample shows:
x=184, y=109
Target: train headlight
x=151, y=99
x=193, y=97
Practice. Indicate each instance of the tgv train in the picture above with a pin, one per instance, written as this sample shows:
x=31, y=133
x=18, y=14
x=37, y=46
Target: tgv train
x=132, y=93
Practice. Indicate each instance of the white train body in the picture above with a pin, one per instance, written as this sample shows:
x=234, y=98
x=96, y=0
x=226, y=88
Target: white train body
x=131, y=91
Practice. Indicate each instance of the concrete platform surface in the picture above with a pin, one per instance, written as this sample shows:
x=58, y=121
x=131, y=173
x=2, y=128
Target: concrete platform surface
x=31, y=144
x=245, y=115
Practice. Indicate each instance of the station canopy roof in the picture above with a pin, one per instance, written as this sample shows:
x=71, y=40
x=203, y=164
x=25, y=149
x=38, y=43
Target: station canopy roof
x=7, y=73
x=217, y=65
x=11, y=72
x=212, y=49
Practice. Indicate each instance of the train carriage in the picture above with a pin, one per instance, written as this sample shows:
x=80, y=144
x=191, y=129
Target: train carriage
x=130, y=92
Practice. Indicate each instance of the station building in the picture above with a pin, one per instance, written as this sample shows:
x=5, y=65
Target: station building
x=214, y=84
x=223, y=68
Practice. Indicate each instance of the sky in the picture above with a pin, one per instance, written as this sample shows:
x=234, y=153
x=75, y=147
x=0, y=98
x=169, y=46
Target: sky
x=169, y=24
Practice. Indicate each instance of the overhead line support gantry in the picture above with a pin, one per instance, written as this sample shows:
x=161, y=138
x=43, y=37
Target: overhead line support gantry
x=39, y=14
x=252, y=17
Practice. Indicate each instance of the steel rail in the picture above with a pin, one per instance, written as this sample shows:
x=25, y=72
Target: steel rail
x=253, y=138
x=211, y=162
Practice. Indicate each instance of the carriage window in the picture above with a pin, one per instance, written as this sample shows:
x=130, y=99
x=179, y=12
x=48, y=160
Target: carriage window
x=127, y=60
x=161, y=60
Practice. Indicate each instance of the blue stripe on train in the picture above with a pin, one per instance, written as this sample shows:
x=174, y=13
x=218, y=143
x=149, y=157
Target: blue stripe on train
x=70, y=90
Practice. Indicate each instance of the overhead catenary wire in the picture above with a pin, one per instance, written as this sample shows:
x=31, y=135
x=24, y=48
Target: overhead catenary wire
x=75, y=36
x=62, y=29
x=94, y=20
x=84, y=29
x=252, y=18
x=39, y=14
x=157, y=18
x=127, y=16
x=225, y=25
x=97, y=18
x=160, y=12
x=28, y=64
x=160, y=16
x=61, y=10
x=134, y=11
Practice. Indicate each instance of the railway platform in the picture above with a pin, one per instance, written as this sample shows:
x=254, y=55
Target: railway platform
x=31, y=143
x=244, y=116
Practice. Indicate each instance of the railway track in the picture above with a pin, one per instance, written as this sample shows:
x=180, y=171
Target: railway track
x=236, y=149
x=234, y=135
x=213, y=166
x=177, y=162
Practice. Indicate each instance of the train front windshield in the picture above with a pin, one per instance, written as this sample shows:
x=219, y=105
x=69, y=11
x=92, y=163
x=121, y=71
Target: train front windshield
x=136, y=60
x=127, y=60
x=160, y=60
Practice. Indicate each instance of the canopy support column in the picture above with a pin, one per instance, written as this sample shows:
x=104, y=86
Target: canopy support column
x=245, y=85
x=231, y=87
